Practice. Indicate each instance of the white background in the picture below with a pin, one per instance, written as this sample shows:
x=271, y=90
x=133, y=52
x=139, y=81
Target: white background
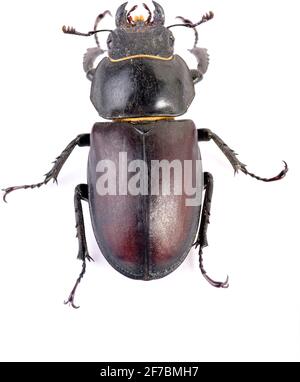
x=250, y=97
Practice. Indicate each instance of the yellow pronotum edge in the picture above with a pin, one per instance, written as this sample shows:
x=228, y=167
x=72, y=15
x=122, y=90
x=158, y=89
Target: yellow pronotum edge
x=142, y=56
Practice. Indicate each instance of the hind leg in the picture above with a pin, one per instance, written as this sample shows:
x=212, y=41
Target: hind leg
x=81, y=193
x=202, y=235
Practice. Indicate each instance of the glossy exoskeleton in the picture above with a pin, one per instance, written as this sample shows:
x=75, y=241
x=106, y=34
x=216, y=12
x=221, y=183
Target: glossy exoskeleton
x=141, y=86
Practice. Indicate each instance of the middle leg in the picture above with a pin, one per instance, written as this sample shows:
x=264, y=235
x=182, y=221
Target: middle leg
x=207, y=135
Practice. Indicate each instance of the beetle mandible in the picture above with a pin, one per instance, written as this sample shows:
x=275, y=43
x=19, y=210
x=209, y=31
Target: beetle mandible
x=140, y=87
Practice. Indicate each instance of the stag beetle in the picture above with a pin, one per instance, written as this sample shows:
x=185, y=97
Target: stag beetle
x=141, y=86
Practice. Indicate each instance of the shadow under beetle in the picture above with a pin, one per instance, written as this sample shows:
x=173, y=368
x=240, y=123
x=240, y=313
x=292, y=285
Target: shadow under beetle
x=142, y=86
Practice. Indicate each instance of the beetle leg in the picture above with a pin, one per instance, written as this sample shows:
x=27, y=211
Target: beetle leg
x=89, y=59
x=202, y=58
x=202, y=235
x=81, y=140
x=207, y=135
x=81, y=193
x=200, y=54
x=92, y=54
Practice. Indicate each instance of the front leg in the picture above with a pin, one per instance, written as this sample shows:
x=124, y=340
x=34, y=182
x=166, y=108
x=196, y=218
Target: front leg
x=81, y=140
x=200, y=54
x=202, y=58
x=207, y=135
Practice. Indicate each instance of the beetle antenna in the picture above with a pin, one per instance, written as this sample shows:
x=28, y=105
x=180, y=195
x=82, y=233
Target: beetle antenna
x=208, y=16
x=186, y=21
x=97, y=21
x=71, y=30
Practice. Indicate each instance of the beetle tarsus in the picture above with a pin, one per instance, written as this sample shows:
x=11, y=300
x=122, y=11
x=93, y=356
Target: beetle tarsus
x=216, y=284
x=24, y=187
x=81, y=140
x=52, y=174
x=207, y=135
x=71, y=297
x=281, y=175
x=70, y=301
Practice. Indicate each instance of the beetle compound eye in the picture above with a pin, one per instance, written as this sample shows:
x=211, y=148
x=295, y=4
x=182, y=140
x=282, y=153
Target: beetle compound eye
x=172, y=40
x=109, y=43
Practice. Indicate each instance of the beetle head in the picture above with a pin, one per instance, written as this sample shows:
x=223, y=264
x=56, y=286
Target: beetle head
x=137, y=36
